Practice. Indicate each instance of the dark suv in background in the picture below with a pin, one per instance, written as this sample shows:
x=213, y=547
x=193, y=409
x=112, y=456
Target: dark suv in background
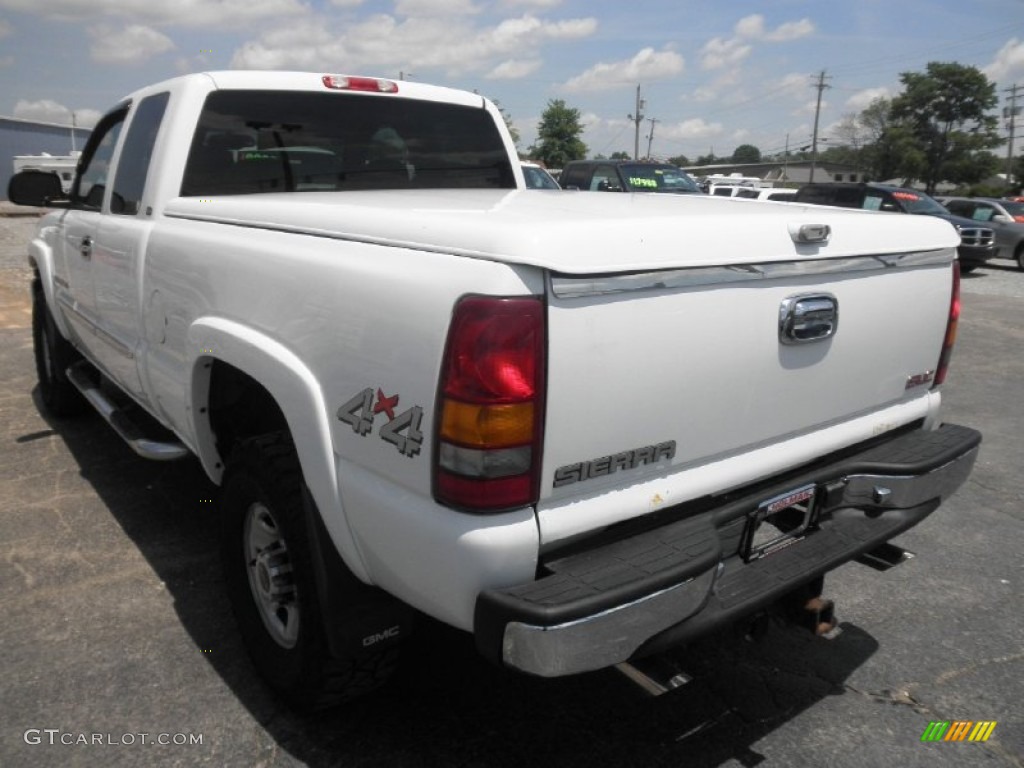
x=977, y=243
x=626, y=176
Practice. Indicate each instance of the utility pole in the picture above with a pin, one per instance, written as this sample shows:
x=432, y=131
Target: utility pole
x=785, y=161
x=637, y=119
x=821, y=86
x=650, y=136
x=1011, y=112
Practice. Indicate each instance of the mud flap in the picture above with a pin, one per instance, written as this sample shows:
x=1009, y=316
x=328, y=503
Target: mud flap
x=356, y=616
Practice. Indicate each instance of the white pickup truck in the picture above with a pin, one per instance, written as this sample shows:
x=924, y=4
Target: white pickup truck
x=585, y=428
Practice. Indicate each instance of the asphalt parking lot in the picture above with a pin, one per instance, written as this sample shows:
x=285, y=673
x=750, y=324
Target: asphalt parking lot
x=120, y=649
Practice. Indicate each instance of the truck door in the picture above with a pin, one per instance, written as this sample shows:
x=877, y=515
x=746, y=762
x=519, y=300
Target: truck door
x=79, y=246
x=123, y=231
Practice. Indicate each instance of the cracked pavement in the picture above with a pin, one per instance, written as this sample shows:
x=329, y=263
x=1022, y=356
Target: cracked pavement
x=115, y=620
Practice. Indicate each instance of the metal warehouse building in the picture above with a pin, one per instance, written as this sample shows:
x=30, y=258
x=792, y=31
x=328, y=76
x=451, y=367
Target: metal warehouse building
x=28, y=137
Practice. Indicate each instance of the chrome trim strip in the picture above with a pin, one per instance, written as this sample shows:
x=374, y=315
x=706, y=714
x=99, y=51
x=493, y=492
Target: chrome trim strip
x=569, y=287
x=61, y=281
x=119, y=346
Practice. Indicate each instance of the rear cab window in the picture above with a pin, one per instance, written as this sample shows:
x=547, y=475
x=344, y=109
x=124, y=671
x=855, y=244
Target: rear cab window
x=250, y=142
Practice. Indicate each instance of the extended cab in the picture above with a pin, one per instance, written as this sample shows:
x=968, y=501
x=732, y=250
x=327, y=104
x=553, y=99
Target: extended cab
x=583, y=428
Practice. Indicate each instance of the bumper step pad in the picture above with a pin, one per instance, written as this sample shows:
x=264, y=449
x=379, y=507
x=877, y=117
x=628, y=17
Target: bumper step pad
x=694, y=564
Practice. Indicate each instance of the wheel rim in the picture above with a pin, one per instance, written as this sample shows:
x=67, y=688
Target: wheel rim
x=269, y=568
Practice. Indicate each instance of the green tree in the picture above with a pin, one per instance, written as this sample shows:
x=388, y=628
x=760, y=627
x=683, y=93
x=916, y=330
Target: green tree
x=708, y=159
x=558, y=135
x=890, y=148
x=679, y=160
x=946, y=110
x=620, y=155
x=746, y=153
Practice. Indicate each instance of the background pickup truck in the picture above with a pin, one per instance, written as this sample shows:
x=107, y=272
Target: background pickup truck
x=584, y=428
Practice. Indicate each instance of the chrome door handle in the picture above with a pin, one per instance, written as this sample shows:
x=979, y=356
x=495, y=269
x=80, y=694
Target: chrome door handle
x=85, y=248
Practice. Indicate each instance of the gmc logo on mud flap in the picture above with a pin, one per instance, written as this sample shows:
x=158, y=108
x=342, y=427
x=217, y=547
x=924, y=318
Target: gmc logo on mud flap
x=388, y=634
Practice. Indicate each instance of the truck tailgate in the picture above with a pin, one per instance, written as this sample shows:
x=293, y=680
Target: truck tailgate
x=651, y=375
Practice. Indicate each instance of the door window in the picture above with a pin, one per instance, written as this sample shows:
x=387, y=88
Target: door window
x=133, y=166
x=95, y=163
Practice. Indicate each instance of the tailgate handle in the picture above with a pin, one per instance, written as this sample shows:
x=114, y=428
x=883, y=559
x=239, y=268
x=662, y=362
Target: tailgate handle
x=808, y=318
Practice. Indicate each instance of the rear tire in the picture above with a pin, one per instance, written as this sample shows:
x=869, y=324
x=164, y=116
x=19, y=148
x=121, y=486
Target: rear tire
x=268, y=569
x=54, y=355
x=966, y=269
x=1019, y=256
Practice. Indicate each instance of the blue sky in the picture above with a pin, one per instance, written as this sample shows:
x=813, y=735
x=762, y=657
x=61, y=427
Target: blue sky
x=713, y=74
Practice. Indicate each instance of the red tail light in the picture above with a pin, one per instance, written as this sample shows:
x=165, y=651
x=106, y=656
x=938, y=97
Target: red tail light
x=491, y=405
x=951, y=326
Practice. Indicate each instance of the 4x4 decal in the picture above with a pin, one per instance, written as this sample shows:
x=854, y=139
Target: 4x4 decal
x=402, y=430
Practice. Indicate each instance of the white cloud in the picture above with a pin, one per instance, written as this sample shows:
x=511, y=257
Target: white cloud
x=647, y=65
x=381, y=43
x=862, y=99
x=694, y=128
x=752, y=28
x=435, y=7
x=346, y=3
x=130, y=44
x=809, y=107
x=181, y=12
x=1008, y=63
x=5, y=28
x=513, y=69
x=539, y=4
x=49, y=111
x=718, y=52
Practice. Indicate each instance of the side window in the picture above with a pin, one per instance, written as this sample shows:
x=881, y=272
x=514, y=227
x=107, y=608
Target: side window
x=95, y=163
x=959, y=207
x=983, y=213
x=605, y=179
x=138, y=150
x=574, y=178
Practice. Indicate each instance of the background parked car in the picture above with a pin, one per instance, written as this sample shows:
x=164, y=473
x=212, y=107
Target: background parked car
x=766, y=193
x=977, y=243
x=627, y=176
x=538, y=178
x=1004, y=216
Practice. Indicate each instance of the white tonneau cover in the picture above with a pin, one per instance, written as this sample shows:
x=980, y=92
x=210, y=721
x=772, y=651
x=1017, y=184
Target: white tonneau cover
x=575, y=232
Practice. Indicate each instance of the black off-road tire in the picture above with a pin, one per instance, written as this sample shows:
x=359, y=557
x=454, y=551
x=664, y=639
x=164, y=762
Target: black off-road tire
x=1019, y=256
x=53, y=354
x=966, y=269
x=263, y=501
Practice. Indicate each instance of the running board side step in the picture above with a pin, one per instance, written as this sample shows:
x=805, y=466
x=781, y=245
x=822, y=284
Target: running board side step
x=79, y=375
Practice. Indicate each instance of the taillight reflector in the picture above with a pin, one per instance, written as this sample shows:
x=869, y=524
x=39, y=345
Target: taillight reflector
x=347, y=83
x=951, y=328
x=489, y=429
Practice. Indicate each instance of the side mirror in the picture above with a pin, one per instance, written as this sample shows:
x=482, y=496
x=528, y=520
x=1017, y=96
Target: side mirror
x=40, y=188
x=1002, y=218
